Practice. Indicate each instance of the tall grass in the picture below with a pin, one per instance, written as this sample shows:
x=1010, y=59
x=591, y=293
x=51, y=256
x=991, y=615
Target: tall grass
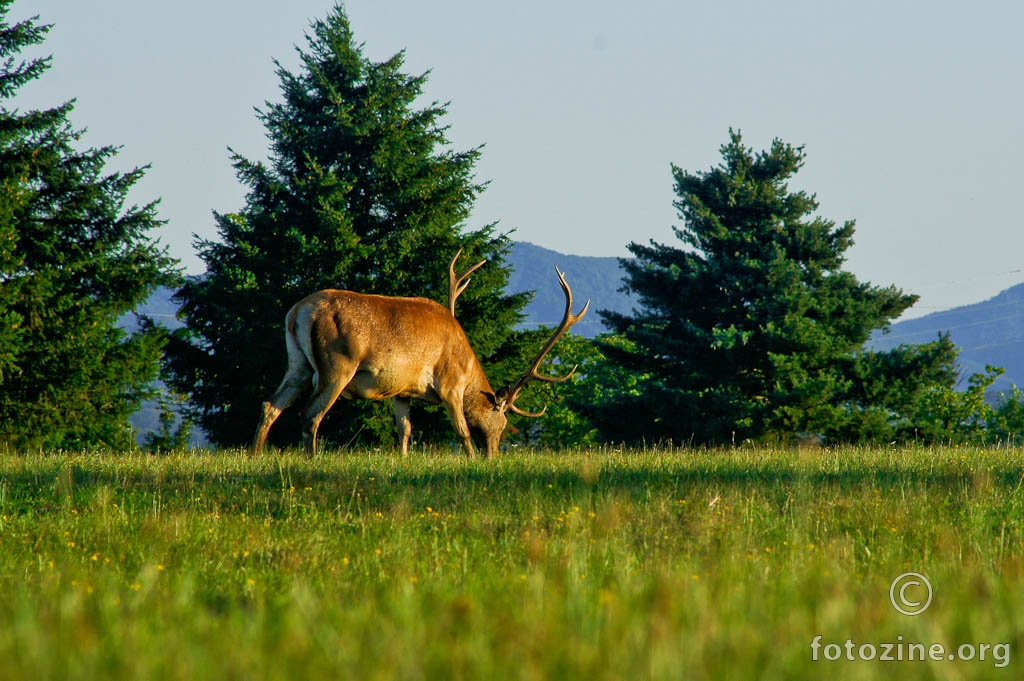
x=598, y=565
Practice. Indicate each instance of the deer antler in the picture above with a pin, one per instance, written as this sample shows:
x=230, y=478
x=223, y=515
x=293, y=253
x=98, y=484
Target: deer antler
x=458, y=284
x=532, y=374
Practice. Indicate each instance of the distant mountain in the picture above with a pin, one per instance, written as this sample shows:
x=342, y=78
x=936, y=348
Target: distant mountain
x=160, y=308
x=989, y=332
x=595, y=278
x=532, y=270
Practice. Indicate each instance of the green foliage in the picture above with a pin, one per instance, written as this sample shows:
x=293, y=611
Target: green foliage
x=753, y=330
x=574, y=407
x=596, y=564
x=361, y=192
x=73, y=261
x=972, y=416
x=953, y=416
x=1006, y=424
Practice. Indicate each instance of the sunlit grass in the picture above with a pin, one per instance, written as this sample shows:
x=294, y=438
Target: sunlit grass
x=607, y=564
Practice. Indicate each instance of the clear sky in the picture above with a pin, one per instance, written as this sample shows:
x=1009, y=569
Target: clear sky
x=910, y=112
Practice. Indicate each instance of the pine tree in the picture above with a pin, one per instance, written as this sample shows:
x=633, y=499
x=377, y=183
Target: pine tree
x=73, y=261
x=362, y=192
x=754, y=329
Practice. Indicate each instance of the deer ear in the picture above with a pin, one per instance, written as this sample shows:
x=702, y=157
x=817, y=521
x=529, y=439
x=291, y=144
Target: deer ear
x=498, y=400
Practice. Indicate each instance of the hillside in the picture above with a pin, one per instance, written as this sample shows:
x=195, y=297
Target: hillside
x=595, y=278
x=532, y=270
x=989, y=332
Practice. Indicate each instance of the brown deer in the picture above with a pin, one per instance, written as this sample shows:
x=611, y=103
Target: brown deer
x=346, y=344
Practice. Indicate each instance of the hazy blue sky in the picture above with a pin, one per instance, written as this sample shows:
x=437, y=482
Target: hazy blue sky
x=911, y=112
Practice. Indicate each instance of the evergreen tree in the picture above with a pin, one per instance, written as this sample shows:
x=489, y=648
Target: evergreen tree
x=361, y=192
x=753, y=329
x=73, y=260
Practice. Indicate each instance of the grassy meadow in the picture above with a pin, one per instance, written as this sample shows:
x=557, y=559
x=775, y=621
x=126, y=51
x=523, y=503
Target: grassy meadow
x=721, y=564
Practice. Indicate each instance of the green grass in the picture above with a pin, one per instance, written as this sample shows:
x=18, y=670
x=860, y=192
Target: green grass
x=589, y=565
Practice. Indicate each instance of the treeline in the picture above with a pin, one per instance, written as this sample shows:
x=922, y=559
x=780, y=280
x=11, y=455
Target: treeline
x=749, y=329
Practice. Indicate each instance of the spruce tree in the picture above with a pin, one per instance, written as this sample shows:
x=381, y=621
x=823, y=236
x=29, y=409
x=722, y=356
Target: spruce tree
x=74, y=259
x=753, y=329
x=361, y=191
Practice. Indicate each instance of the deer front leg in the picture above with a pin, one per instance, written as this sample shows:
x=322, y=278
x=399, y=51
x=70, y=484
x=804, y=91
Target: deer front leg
x=461, y=426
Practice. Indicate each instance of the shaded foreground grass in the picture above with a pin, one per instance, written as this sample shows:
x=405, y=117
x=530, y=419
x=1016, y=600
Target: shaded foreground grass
x=596, y=565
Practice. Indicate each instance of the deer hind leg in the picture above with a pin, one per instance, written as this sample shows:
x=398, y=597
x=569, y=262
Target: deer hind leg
x=329, y=384
x=402, y=423
x=295, y=382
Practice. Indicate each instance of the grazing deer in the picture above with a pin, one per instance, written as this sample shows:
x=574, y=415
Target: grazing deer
x=349, y=344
